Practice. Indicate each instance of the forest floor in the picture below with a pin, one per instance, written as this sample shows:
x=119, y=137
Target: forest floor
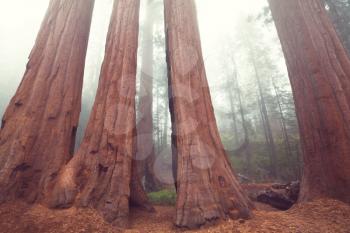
x=317, y=217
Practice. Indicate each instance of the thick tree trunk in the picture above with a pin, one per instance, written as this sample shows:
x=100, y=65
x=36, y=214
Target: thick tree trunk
x=99, y=175
x=319, y=71
x=38, y=130
x=207, y=188
x=145, y=147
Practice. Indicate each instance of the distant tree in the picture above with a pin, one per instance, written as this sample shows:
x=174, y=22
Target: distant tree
x=245, y=146
x=270, y=142
x=145, y=145
x=290, y=152
x=231, y=96
x=258, y=58
x=261, y=69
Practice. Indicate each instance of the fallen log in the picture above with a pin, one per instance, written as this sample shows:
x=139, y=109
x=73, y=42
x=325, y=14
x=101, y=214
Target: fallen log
x=280, y=196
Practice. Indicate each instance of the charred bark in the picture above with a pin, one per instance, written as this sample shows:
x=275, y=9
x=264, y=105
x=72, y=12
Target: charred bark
x=42, y=118
x=99, y=175
x=319, y=70
x=207, y=188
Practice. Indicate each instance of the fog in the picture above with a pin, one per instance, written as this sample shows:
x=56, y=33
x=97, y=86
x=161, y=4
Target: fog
x=20, y=22
x=233, y=32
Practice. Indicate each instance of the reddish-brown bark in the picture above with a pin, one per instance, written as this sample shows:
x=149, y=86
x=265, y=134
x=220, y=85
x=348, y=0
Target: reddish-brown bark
x=99, y=175
x=207, y=188
x=319, y=71
x=38, y=129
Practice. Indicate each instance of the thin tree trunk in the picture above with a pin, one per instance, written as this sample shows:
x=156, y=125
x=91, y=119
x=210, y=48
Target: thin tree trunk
x=233, y=114
x=145, y=145
x=319, y=70
x=284, y=127
x=246, y=144
x=158, y=119
x=244, y=123
x=263, y=122
x=207, y=188
x=38, y=130
x=100, y=173
x=266, y=122
x=166, y=123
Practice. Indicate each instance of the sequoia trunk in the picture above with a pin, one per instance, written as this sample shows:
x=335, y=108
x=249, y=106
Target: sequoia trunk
x=319, y=71
x=207, y=188
x=38, y=129
x=99, y=175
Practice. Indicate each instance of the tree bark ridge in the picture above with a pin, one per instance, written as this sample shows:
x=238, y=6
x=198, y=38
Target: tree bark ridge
x=38, y=129
x=100, y=173
x=319, y=70
x=207, y=188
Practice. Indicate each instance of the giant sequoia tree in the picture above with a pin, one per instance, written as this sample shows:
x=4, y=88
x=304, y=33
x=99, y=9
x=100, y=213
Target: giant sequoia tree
x=38, y=129
x=99, y=175
x=207, y=188
x=319, y=71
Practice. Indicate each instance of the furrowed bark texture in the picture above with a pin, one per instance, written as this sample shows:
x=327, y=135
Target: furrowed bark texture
x=207, y=188
x=319, y=71
x=38, y=129
x=99, y=175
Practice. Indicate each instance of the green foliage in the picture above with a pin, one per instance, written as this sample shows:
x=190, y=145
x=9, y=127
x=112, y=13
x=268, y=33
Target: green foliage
x=289, y=167
x=163, y=197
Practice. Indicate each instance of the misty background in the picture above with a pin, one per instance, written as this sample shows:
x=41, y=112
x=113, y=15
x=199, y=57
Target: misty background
x=245, y=68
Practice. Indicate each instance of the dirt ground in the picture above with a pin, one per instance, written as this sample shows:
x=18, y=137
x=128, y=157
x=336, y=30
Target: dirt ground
x=317, y=217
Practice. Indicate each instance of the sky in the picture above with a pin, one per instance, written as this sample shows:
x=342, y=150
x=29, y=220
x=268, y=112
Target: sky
x=20, y=21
